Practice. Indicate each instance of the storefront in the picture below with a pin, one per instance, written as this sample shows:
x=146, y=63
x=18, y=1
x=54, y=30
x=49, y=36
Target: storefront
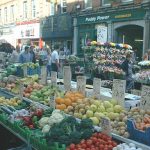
x=57, y=29
x=126, y=26
x=7, y=34
x=28, y=32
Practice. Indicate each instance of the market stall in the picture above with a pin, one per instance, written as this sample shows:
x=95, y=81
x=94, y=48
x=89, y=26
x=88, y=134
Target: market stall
x=66, y=115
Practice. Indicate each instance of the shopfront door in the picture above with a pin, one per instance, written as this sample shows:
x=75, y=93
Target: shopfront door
x=85, y=36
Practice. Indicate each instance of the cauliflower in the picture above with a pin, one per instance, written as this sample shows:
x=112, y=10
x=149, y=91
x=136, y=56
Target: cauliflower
x=56, y=117
x=43, y=121
x=46, y=129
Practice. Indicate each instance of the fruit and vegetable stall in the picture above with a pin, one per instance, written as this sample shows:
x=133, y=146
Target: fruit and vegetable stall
x=64, y=116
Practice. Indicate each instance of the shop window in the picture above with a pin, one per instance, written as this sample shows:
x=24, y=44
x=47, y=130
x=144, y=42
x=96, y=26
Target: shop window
x=106, y=3
x=25, y=9
x=33, y=8
x=88, y=3
x=63, y=6
x=124, y=1
x=12, y=13
x=52, y=8
x=5, y=14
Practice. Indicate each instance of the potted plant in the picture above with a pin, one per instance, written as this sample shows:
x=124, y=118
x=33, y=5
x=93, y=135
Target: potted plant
x=115, y=3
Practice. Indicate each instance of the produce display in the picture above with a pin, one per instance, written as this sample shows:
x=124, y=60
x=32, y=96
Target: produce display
x=43, y=94
x=141, y=118
x=98, y=141
x=69, y=99
x=75, y=124
x=105, y=56
x=125, y=146
x=144, y=64
x=143, y=76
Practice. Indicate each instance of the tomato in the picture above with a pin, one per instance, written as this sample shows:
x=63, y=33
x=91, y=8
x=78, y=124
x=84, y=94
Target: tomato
x=88, y=149
x=110, y=147
x=94, y=139
x=105, y=148
x=95, y=135
x=72, y=146
x=97, y=143
x=101, y=146
x=93, y=148
x=78, y=146
x=82, y=142
x=83, y=146
x=89, y=142
x=114, y=144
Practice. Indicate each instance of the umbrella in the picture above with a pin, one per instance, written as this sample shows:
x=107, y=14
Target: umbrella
x=5, y=46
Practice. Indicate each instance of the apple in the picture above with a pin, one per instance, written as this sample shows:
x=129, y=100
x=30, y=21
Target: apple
x=107, y=104
x=101, y=109
x=113, y=102
x=89, y=113
x=93, y=107
x=95, y=120
x=110, y=109
x=97, y=103
x=118, y=109
x=98, y=115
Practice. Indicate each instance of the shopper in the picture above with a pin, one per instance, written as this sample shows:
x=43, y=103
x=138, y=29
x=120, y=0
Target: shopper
x=147, y=55
x=55, y=59
x=49, y=62
x=15, y=55
x=32, y=54
x=127, y=67
x=25, y=56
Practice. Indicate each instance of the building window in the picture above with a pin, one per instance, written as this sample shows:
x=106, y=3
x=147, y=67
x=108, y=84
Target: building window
x=63, y=6
x=52, y=9
x=106, y=2
x=0, y=15
x=5, y=14
x=33, y=9
x=124, y=1
x=12, y=13
x=25, y=9
x=88, y=3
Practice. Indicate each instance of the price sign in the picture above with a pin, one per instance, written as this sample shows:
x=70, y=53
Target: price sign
x=21, y=89
x=96, y=87
x=106, y=125
x=145, y=97
x=25, y=71
x=43, y=75
x=52, y=101
x=54, y=78
x=67, y=78
x=81, y=83
x=118, y=91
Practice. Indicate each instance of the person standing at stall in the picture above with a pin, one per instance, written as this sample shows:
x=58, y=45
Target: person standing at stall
x=15, y=55
x=49, y=61
x=127, y=67
x=25, y=56
x=55, y=59
x=32, y=53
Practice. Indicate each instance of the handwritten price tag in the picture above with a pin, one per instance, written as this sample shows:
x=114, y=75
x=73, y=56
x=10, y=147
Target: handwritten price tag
x=118, y=91
x=21, y=89
x=25, y=71
x=52, y=102
x=67, y=78
x=43, y=75
x=145, y=97
x=106, y=126
x=81, y=83
x=54, y=78
x=96, y=87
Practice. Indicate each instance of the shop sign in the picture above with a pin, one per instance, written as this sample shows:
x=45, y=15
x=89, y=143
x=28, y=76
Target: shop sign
x=96, y=87
x=112, y=16
x=28, y=31
x=145, y=97
x=81, y=84
x=102, y=34
x=67, y=77
x=118, y=91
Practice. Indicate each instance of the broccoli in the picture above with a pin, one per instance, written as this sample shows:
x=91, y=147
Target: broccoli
x=87, y=133
x=75, y=137
x=64, y=139
x=86, y=123
x=56, y=132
